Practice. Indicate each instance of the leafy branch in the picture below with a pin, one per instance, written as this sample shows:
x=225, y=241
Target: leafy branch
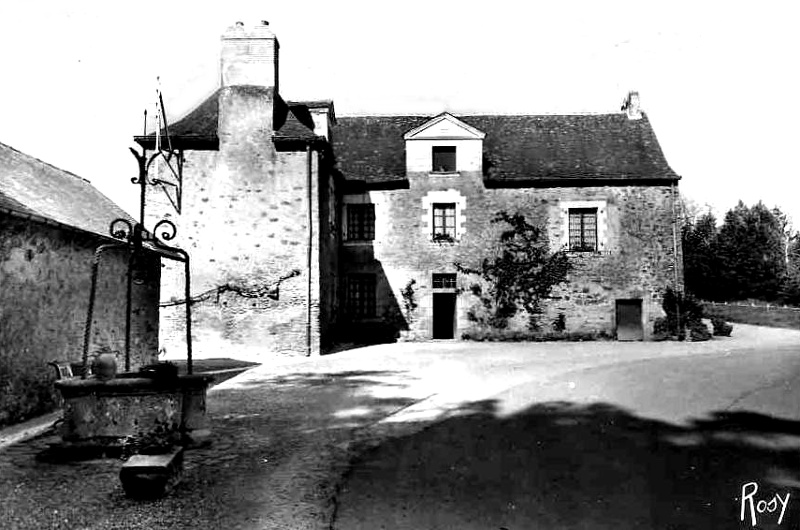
x=522, y=273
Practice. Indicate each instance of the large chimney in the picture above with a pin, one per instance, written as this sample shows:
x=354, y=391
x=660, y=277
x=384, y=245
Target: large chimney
x=249, y=56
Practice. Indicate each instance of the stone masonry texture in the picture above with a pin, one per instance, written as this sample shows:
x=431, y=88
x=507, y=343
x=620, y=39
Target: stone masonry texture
x=245, y=223
x=637, y=261
x=45, y=277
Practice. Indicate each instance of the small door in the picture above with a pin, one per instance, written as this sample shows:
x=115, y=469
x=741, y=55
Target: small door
x=444, y=315
x=629, y=320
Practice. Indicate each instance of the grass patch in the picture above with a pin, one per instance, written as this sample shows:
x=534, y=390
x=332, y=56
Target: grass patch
x=775, y=317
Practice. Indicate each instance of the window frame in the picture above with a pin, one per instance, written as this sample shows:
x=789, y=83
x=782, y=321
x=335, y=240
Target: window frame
x=449, y=211
x=445, y=280
x=366, y=224
x=361, y=299
x=583, y=212
x=446, y=151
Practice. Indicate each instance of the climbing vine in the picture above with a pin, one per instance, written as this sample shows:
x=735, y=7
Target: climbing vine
x=270, y=290
x=409, y=300
x=521, y=274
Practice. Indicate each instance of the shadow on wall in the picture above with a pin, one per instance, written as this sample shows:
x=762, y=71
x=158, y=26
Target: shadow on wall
x=356, y=327
x=563, y=465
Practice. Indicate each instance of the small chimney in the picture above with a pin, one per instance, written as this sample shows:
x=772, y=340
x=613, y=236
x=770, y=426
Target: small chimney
x=249, y=56
x=631, y=106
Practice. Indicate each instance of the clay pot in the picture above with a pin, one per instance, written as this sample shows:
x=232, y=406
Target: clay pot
x=104, y=366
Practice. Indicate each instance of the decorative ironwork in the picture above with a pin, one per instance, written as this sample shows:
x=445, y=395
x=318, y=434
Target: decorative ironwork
x=136, y=239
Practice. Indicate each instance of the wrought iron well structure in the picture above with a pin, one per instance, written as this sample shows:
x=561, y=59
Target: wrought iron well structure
x=137, y=240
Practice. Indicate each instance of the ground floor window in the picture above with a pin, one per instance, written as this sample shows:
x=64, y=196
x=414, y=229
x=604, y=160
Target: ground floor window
x=360, y=299
x=583, y=229
x=360, y=222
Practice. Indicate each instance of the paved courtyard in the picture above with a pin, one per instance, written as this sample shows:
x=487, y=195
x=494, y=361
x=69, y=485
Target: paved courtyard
x=287, y=432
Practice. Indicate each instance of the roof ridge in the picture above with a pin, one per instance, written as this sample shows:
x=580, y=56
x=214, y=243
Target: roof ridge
x=31, y=157
x=488, y=114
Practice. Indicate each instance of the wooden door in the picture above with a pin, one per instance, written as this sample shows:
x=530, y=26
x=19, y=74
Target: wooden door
x=629, y=320
x=444, y=315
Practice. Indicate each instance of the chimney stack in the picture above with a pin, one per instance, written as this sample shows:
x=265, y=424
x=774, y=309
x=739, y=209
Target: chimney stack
x=632, y=106
x=249, y=56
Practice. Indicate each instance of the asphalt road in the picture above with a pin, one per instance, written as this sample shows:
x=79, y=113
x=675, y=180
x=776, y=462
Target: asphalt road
x=646, y=441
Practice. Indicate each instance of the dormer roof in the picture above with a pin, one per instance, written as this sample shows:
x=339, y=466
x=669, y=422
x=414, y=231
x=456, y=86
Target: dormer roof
x=445, y=126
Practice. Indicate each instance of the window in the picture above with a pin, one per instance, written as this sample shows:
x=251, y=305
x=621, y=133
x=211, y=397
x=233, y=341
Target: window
x=361, y=295
x=583, y=229
x=444, y=159
x=444, y=221
x=360, y=222
x=444, y=281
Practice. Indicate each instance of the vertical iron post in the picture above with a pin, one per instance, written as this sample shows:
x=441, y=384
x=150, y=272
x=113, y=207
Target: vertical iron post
x=128, y=310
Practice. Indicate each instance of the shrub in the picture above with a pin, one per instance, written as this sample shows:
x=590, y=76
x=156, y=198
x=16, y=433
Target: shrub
x=661, y=330
x=496, y=335
x=698, y=331
x=683, y=311
x=560, y=323
x=721, y=328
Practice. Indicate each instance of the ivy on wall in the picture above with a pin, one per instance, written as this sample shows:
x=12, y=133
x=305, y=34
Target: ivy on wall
x=522, y=272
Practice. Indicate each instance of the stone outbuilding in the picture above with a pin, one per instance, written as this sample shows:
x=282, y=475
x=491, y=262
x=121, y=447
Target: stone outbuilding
x=307, y=228
x=51, y=223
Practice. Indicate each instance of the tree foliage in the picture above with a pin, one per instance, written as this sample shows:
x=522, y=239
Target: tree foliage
x=700, y=260
x=746, y=257
x=520, y=274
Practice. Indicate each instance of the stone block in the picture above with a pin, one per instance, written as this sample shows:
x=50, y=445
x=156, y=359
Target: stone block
x=151, y=476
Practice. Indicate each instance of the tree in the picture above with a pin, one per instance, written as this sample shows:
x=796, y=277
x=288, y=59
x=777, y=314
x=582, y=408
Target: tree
x=700, y=261
x=522, y=273
x=790, y=293
x=752, y=249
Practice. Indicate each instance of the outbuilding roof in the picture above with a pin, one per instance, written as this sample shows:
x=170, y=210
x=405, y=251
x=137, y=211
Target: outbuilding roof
x=32, y=187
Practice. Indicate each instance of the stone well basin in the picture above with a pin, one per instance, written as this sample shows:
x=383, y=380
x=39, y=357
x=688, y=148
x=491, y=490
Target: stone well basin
x=106, y=413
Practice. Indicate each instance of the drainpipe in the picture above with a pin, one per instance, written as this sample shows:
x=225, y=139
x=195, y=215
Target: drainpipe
x=675, y=257
x=310, y=247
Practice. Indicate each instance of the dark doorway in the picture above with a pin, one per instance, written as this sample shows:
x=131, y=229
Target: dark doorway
x=629, y=320
x=444, y=315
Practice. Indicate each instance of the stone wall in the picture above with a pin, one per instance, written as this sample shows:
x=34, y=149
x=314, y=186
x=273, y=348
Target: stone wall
x=637, y=258
x=45, y=277
x=244, y=221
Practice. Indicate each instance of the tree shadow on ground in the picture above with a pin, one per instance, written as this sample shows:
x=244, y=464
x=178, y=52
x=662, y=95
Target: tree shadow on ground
x=562, y=465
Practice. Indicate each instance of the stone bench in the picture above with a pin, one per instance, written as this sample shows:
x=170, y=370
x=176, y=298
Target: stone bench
x=151, y=476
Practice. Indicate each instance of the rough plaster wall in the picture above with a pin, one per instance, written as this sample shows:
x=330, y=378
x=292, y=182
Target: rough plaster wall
x=244, y=222
x=639, y=263
x=45, y=277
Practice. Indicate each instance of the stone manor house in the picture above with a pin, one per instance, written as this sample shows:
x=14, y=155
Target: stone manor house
x=305, y=228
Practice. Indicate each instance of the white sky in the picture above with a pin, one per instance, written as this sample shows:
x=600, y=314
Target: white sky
x=718, y=80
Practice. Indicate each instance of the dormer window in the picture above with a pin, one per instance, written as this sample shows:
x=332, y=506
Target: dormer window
x=444, y=158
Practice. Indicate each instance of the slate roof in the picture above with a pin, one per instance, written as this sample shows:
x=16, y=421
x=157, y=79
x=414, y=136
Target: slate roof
x=517, y=148
x=32, y=187
x=198, y=129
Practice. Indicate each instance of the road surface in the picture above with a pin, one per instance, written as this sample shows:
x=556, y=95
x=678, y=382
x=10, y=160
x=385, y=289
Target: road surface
x=705, y=440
